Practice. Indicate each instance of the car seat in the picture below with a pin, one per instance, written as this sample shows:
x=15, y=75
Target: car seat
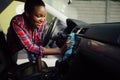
x=12, y=71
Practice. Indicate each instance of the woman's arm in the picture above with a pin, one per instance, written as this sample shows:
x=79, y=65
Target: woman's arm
x=52, y=51
x=57, y=50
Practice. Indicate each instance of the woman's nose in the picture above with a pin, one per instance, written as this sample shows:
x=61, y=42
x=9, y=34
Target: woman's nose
x=42, y=19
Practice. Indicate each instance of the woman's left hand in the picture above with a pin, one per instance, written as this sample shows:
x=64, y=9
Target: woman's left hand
x=65, y=46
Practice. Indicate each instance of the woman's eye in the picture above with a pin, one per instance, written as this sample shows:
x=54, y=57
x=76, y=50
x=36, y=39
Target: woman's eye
x=38, y=16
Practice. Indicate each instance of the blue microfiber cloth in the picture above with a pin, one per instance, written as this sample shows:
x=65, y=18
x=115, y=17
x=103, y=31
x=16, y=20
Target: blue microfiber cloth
x=70, y=48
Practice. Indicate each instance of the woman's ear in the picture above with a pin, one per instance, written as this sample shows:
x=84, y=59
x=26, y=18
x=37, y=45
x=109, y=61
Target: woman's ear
x=26, y=14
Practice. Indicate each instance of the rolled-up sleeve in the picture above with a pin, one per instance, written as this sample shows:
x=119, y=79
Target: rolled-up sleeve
x=25, y=40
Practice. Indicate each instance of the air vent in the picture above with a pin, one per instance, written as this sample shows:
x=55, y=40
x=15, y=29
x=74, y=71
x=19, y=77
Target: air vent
x=82, y=30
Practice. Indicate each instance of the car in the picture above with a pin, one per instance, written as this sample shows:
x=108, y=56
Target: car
x=94, y=53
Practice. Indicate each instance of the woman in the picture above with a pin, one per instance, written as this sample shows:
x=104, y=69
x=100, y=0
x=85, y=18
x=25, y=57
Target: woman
x=26, y=31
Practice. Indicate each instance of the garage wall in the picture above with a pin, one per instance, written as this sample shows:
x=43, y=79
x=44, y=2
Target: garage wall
x=97, y=11
x=114, y=12
x=7, y=14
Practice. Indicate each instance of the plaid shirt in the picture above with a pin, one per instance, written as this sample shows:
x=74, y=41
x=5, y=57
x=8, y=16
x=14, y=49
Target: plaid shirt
x=21, y=35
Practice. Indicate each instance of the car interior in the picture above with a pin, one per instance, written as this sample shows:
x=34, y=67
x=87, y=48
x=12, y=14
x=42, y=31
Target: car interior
x=95, y=54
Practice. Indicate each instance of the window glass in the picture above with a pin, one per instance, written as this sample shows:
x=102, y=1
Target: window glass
x=90, y=11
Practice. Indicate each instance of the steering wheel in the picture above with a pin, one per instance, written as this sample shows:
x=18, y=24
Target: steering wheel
x=49, y=32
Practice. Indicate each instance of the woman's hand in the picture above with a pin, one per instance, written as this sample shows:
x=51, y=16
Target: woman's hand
x=65, y=46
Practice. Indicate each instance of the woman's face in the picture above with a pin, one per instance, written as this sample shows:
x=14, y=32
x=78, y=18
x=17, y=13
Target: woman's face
x=37, y=16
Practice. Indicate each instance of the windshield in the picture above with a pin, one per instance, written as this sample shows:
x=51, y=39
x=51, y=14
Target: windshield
x=90, y=11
